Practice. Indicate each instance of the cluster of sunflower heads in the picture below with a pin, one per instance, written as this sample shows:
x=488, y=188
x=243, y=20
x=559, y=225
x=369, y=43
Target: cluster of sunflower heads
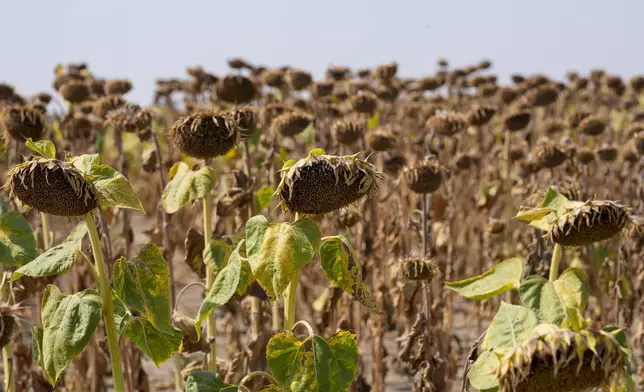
x=576, y=223
x=564, y=361
x=320, y=183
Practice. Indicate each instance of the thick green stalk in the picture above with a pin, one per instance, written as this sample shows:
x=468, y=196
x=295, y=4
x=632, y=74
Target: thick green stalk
x=554, y=262
x=211, y=327
x=289, y=302
x=105, y=290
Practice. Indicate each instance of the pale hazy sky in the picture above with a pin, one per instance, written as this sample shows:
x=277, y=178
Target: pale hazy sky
x=146, y=39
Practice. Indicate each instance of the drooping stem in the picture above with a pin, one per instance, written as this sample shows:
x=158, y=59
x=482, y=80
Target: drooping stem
x=290, y=301
x=46, y=231
x=105, y=291
x=554, y=262
x=211, y=326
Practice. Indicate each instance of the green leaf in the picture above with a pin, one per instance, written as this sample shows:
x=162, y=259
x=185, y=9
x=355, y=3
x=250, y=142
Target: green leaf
x=374, y=121
x=540, y=295
x=203, y=381
x=86, y=162
x=330, y=366
x=143, y=285
x=263, y=197
x=341, y=267
x=246, y=277
x=284, y=355
x=45, y=148
x=558, y=204
x=316, y=152
x=219, y=251
x=36, y=345
x=511, y=325
x=121, y=314
x=222, y=289
x=573, y=288
x=57, y=259
x=483, y=373
x=499, y=279
x=114, y=189
x=159, y=346
x=17, y=241
x=68, y=323
x=277, y=251
x=187, y=185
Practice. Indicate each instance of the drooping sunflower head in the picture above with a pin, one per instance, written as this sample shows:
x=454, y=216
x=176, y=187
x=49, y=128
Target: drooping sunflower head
x=590, y=222
x=291, y=123
x=22, y=122
x=53, y=187
x=425, y=177
x=416, y=268
x=204, y=134
x=319, y=183
x=446, y=123
x=245, y=120
x=562, y=361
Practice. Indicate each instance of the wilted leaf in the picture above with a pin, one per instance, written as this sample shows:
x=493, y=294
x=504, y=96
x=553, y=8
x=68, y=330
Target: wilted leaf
x=85, y=162
x=482, y=376
x=530, y=214
x=203, y=381
x=341, y=267
x=263, y=197
x=216, y=256
x=43, y=147
x=157, y=345
x=36, y=345
x=277, y=251
x=573, y=288
x=511, y=325
x=540, y=295
x=143, y=285
x=68, y=323
x=223, y=288
x=17, y=241
x=194, y=244
x=558, y=204
x=186, y=185
x=500, y=278
x=317, y=152
x=57, y=259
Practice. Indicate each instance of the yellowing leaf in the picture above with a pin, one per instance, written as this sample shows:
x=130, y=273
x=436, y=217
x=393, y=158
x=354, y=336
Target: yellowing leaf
x=499, y=279
x=43, y=147
x=186, y=185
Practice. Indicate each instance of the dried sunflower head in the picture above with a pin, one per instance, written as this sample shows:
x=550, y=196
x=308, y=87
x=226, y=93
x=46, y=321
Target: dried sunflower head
x=338, y=73
x=130, y=118
x=22, y=122
x=542, y=96
x=291, y=123
x=9, y=326
x=589, y=222
x=75, y=91
x=517, y=121
x=507, y=95
x=591, y=126
x=299, y=80
x=53, y=187
x=446, y=123
x=239, y=63
x=273, y=78
x=585, y=155
x=425, y=177
x=77, y=126
x=323, y=89
x=364, y=102
x=104, y=105
x=481, y=115
x=204, y=134
x=393, y=162
x=319, y=184
x=245, y=121
x=235, y=89
x=562, y=361
x=639, y=142
x=550, y=155
x=607, y=153
x=380, y=139
x=348, y=130
x=416, y=268
x=118, y=87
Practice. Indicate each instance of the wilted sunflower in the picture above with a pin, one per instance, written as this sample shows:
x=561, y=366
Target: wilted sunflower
x=416, y=269
x=299, y=80
x=77, y=126
x=393, y=162
x=291, y=123
x=639, y=142
x=338, y=73
x=323, y=89
x=364, y=102
x=542, y=96
x=380, y=139
x=425, y=177
x=269, y=112
x=53, y=187
x=130, y=118
x=23, y=122
x=204, y=134
x=562, y=361
x=607, y=153
x=118, y=87
x=550, y=155
x=348, y=130
x=9, y=326
x=239, y=63
x=446, y=123
x=591, y=126
x=517, y=121
x=273, y=78
x=481, y=115
x=235, y=89
x=245, y=121
x=590, y=222
x=319, y=184
x=75, y=91
x=104, y=105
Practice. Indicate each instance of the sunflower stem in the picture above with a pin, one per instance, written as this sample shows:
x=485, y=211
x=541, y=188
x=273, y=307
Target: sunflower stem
x=554, y=262
x=46, y=232
x=289, y=302
x=211, y=326
x=104, y=288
